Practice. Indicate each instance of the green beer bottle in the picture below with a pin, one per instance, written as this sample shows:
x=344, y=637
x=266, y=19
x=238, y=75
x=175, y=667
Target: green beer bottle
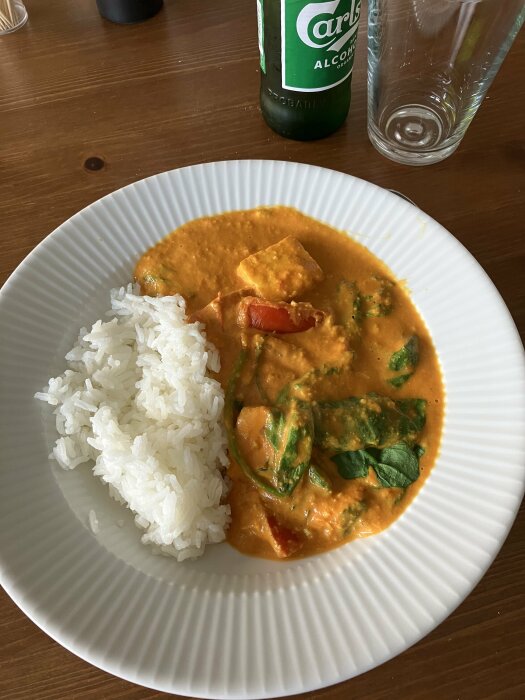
x=307, y=53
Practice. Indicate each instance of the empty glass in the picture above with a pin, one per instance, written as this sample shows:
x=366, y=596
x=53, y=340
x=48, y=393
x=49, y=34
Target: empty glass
x=13, y=15
x=430, y=63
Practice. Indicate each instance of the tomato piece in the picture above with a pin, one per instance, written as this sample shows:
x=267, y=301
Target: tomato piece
x=281, y=318
x=284, y=540
x=277, y=319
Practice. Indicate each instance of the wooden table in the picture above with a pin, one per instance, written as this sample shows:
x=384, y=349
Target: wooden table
x=87, y=107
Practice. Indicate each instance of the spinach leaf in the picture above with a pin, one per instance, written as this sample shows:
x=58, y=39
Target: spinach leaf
x=274, y=427
x=294, y=446
x=259, y=347
x=419, y=451
x=398, y=466
x=359, y=422
x=400, y=379
x=376, y=297
x=303, y=383
x=348, y=307
x=413, y=417
x=353, y=465
x=395, y=466
x=350, y=516
x=319, y=478
x=231, y=404
x=407, y=357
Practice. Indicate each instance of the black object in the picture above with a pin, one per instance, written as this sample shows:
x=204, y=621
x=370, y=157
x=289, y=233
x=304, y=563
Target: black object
x=128, y=11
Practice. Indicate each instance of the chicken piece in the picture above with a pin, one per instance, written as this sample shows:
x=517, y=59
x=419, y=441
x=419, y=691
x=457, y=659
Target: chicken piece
x=280, y=363
x=303, y=361
x=220, y=320
x=281, y=272
x=221, y=312
x=250, y=429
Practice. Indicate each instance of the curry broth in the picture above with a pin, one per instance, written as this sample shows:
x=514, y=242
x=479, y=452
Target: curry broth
x=199, y=260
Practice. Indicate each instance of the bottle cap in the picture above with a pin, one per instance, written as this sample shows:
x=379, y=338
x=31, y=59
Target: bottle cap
x=128, y=11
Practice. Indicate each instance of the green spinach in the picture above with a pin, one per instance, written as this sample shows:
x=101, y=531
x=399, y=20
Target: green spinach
x=407, y=357
x=350, y=516
x=400, y=379
x=359, y=422
x=353, y=465
x=377, y=301
x=348, y=307
x=395, y=466
x=292, y=440
x=319, y=478
x=231, y=404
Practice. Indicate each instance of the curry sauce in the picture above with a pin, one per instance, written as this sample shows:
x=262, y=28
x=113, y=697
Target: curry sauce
x=334, y=396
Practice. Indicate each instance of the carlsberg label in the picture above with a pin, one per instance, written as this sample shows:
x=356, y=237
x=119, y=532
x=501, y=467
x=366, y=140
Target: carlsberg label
x=317, y=43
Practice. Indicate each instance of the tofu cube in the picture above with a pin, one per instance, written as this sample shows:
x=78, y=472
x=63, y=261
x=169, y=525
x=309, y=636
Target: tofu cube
x=281, y=272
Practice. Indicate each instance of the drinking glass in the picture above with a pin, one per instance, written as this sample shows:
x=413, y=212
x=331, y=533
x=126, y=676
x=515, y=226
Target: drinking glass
x=13, y=15
x=430, y=64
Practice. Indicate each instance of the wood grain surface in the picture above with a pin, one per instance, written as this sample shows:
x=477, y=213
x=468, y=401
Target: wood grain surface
x=87, y=106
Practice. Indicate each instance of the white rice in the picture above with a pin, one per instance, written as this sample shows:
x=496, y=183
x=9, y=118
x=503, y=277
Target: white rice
x=136, y=399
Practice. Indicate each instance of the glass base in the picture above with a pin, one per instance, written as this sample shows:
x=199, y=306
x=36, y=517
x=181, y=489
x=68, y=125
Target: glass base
x=412, y=134
x=11, y=21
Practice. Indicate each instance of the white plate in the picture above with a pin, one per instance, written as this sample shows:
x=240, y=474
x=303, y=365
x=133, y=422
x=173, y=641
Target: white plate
x=229, y=626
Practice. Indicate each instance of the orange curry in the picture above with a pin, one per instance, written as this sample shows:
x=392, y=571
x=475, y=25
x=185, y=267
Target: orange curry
x=334, y=397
